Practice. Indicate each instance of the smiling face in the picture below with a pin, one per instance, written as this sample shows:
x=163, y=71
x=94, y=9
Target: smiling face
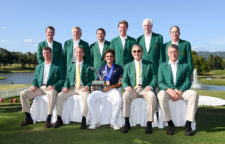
x=137, y=52
x=100, y=35
x=47, y=55
x=172, y=53
x=76, y=33
x=79, y=54
x=50, y=34
x=123, y=29
x=174, y=33
x=109, y=58
x=147, y=27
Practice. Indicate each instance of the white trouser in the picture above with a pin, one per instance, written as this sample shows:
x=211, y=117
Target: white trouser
x=114, y=97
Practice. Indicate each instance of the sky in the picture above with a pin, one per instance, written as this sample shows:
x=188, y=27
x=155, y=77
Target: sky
x=23, y=22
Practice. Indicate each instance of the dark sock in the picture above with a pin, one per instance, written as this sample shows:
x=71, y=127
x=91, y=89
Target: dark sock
x=49, y=118
x=59, y=118
x=127, y=121
x=170, y=123
x=188, y=124
x=149, y=124
x=83, y=119
x=28, y=116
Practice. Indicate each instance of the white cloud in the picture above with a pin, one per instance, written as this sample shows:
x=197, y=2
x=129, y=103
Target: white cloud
x=220, y=41
x=28, y=40
x=2, y=27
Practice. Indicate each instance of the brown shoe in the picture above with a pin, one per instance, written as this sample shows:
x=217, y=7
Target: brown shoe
x=26, y=122
x=48, y=125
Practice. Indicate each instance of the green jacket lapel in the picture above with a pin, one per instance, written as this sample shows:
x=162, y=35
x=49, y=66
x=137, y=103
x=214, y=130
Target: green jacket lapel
x=179, y=68
x=143, y=44
x=50, y=72
x=144, y=71
x=170, y=73
x=41, y=72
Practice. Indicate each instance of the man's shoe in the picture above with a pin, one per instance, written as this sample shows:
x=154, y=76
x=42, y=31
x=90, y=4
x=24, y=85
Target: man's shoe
x=148, y=130
x=170, y=130
x=93, y=126
x=48, y=125
x=26, y=122
x=58, y=123
x=126, y=128
x=188, y=131
x=115, y=127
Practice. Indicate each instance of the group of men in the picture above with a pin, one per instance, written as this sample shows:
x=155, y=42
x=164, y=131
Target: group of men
x=144, y=68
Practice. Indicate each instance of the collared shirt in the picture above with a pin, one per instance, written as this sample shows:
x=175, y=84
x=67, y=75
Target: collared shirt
x=136, y=67
x=81, y=64
x=101, y=46
x=176, y=43
x=148, y=41
x=123, y=40
x=50, y=44
x=174, y=69
x=116, y=75
x=46, y=72
x=75, y=45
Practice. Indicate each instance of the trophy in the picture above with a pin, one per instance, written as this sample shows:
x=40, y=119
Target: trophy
x=98, y=84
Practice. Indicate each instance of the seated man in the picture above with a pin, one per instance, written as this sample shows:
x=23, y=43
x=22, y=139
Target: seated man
x=139, y=80
x=48, y=79
x=174, y=82
x=78, y=80
x=112, y=74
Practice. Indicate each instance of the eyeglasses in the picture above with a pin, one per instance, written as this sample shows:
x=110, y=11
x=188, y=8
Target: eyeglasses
x=136, y=51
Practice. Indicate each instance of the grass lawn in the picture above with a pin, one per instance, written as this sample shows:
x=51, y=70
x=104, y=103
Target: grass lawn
x=17, y=68
x=212, y=81
x=210, y=130
x=12, y=86
x=2, y=78
x=214, y=73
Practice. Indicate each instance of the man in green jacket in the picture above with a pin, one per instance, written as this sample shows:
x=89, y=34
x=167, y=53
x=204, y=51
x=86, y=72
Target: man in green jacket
x=174, y=82
x=184, y=47
x=78, y=81
x=122, y=45
x=71, y=44
x=139, y=80
x=98, y=48
x=151, y=43
x=48, y=80
x=57, y=52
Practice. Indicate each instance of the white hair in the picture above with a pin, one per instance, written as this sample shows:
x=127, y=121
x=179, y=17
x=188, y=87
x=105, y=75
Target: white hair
x=148, y=20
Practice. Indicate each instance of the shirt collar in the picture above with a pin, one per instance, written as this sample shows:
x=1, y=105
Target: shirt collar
x=176, y=62
x=101, y=43
x=149, y=35
x=50, y=42
x=138, y=61
x=123, y=38
x=80, y=62
x=77, y=41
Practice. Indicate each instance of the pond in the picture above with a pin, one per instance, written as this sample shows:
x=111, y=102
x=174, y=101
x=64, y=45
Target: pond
x=209, y=87
x=17, y=78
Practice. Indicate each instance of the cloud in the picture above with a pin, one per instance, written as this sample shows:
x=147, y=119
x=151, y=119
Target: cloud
x=199, y=48
x=2, y=27
x=220, y=41
x=28, y=40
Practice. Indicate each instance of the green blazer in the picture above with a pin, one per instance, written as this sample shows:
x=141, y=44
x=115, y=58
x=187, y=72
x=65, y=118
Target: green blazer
x=57, y=53
x=68, y=51
x=149, y=77
x=155, y=52
x=96, y=59
x=122, y=56
x=165, y=77
x=55, y=76
x=185, y=54
x=87, y=76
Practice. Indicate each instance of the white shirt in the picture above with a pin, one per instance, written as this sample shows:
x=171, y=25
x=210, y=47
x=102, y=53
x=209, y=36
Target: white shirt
x=148, y=41
x=75, y=45
x=50, y=44
x=123, y=40
x=176, y=43
x=81, y=64
x=101, y=46
x=174, y=70
x=136, y=67
x=46, y=72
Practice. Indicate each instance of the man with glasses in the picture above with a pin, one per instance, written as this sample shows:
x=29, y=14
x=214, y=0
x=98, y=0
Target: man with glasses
x=174, y=82
x=139, y=80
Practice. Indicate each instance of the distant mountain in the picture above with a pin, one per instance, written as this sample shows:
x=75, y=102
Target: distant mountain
x=205, y=54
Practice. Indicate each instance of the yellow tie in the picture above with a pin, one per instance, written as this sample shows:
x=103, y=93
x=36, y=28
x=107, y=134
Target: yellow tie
x=138, y=74
x=78, y=75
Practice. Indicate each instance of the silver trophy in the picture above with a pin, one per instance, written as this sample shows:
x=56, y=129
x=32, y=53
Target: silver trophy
x=98, y=84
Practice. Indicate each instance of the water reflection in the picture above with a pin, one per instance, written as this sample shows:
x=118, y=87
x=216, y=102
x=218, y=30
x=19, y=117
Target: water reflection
x=17, y=78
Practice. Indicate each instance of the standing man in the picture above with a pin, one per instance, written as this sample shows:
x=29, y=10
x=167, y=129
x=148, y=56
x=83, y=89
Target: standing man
x=57, y=53
x=122, y=45
x=48, y=79
x=72, y=44
x=174, y=82
x=98, y=48
x=139, y=80
x=78, y=80
x=112, y=74
x=151, y=43
x=184, y=47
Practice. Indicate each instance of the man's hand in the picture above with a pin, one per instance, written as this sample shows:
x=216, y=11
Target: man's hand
x=50, y=87
x=65, y=90
x=33, y=88
x=128, y=89
x=84, y=89
x=147, y=88
x=108, y=88
x=92, y=88
x=172, y=93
